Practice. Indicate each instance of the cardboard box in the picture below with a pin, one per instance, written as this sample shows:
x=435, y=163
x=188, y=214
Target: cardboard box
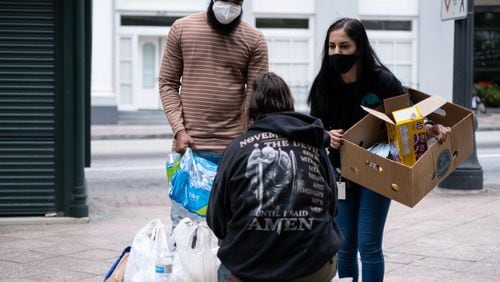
x=407, y=184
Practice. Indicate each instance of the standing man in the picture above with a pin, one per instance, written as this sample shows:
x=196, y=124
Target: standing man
x=209, y=65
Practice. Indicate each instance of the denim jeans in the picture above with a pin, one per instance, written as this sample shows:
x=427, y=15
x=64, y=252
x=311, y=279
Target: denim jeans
x=361, y=220
x=178, y=212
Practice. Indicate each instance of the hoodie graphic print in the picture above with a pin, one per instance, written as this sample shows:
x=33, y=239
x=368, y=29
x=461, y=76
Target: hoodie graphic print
x=275, y=184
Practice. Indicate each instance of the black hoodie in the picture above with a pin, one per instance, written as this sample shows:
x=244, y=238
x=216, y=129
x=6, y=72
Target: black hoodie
x=274, y=200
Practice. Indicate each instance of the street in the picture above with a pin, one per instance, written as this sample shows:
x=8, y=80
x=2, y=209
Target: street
x=139, y=165
x=488, y=154
x=132, y=172
x=127, y=173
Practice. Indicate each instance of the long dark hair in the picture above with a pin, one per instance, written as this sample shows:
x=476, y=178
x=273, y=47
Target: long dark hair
x=270, y=94
x=327, y=78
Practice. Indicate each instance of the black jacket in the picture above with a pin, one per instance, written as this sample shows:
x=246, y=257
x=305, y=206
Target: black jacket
x=338, y=104
x=274, y=200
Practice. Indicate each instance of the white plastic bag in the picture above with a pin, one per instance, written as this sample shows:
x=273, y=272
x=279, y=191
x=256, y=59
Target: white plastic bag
x=195, y=257
x=148, y=245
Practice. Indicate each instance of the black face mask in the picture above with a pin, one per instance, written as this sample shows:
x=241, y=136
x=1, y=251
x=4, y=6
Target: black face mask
x=342, y=63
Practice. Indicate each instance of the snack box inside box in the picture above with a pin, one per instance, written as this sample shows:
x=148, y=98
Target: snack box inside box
x=407, y=133
x=407, y=184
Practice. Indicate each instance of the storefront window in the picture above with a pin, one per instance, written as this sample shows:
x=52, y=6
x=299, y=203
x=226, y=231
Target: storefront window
x=487, y=45
x=148, y=66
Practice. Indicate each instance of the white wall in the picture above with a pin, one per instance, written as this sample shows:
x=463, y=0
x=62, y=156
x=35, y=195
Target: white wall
x=161, y=7
x=389, y=7
x=435, y=51
x=102, y=88
x=277, y=6
x=435, y=38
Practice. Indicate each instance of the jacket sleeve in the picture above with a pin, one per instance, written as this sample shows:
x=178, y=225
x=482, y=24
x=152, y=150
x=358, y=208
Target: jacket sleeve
x=331, y=182
x=218, y=212
x=170, y=80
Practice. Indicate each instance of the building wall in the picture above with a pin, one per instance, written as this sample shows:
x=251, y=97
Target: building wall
x=436, y=39
x=103, y=97
x=431, y=41
x=291, y=46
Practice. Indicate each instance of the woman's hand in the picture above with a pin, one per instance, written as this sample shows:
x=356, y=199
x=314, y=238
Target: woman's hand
x=336, y=136
x=437, y=131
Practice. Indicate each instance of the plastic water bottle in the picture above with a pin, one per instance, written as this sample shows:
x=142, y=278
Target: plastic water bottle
x=172, y=164
x=163, y=266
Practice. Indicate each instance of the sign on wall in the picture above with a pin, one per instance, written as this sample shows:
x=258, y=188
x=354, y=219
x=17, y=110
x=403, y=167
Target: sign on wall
x=453, y=9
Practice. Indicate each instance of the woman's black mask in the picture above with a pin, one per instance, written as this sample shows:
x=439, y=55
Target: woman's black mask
x=342, y=63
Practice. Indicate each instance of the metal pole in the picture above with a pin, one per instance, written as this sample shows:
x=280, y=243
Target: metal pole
x=78, y=204
x=469, y=175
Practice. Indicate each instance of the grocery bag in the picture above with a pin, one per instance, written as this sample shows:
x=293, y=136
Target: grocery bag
x=192, y=182
x=195, y=257
x=148, y=246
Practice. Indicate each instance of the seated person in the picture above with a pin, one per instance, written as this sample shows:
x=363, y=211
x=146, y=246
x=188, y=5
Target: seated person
x=274, y=197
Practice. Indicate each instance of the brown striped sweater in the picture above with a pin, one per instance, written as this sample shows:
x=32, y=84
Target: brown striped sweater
x=203, y=78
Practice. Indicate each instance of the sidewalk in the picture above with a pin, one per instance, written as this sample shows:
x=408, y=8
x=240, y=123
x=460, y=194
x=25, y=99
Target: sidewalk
x=448, y=236
x=486, y=122
x=445, y=237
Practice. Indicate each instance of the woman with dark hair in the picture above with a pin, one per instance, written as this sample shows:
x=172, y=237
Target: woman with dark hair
x=274, y=198
x=351, y=75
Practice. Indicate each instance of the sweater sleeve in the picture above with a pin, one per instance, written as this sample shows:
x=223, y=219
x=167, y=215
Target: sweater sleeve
x=170, y=80
x=259, y=63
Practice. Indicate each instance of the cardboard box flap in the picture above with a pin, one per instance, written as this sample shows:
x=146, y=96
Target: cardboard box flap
x=430, y=104
x=378, y=114
x=396, y=103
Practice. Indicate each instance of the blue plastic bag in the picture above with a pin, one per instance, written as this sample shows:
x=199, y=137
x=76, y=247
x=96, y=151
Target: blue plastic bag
x=192, y=182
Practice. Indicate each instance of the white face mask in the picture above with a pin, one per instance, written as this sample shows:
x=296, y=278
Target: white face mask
x=225, y=12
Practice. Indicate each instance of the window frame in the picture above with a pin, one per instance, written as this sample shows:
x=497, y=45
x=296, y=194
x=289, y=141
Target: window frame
x=395, y=35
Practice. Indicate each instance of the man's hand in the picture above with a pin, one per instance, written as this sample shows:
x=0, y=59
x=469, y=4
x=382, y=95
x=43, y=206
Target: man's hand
x=183, y=141
x=336, y=136
x=437, y=131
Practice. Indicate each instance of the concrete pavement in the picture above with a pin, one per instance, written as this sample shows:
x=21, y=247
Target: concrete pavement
x=445, y=237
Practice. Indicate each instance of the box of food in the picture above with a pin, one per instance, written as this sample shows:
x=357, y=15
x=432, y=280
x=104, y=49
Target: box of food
x=407, y=184
x=407, y=132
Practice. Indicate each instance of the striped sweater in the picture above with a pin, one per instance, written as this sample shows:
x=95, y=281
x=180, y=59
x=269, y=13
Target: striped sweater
x=203, y=78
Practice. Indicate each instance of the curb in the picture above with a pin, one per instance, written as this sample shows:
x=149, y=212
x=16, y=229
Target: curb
x=488, y=128
x=131, y=136
x=169, y=135
x=33, y=220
